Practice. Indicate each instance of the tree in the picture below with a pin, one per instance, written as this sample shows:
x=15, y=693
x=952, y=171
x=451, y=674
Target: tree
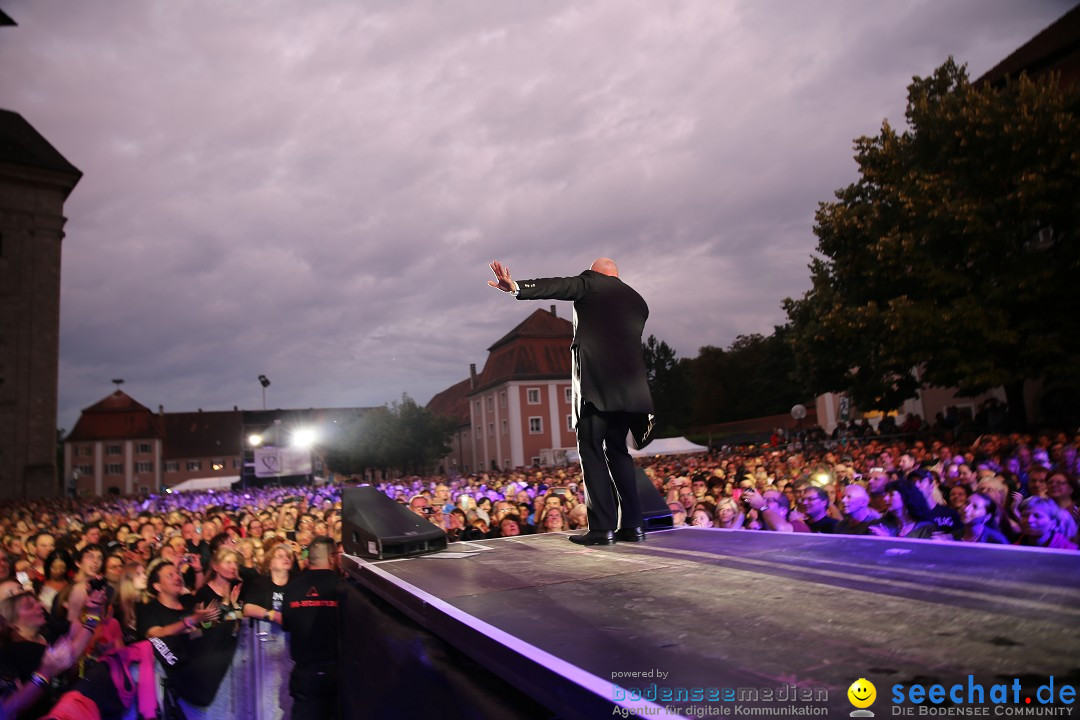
x=950, y=261
x=752, y=378
x=401, y=435
x=668, y=384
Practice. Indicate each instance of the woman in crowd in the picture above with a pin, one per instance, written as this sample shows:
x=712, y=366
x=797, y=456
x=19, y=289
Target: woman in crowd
x=552, y=520
x=1040, y=525
x=130, y=595
x=701, y=518
x=59, y=570
x=218, y=687
x=1062, y=488
x=907, y=512
x=263, y=599
x=979, y=516
x=958, y=497
x=26, y=640
x=247, y=551
x=728, y=514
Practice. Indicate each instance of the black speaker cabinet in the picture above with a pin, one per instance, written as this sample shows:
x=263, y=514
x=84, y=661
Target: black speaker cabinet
x=374, y=526
x=655, y=514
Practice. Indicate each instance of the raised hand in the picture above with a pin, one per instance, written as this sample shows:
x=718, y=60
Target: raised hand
x=502, y=274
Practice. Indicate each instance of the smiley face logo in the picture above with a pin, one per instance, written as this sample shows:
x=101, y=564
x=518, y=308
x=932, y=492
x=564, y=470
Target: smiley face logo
x=862, y=693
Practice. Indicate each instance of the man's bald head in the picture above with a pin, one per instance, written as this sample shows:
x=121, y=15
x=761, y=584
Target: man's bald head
x=605, y=266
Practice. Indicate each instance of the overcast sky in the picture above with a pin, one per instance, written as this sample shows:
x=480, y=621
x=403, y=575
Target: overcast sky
x=312, y=191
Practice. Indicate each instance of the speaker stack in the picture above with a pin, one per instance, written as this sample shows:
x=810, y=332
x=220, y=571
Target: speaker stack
x=374, y=526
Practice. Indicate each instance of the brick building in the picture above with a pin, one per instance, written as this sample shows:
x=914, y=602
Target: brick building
x=119, y=445
x=517, y=411
x=35, y=181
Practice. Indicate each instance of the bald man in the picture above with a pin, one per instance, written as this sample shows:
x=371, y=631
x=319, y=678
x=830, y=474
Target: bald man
x=858, y=515
x=610, y=389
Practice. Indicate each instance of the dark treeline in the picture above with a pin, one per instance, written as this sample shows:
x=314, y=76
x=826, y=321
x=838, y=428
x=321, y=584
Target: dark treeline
x=753, y=377
x=401, y=436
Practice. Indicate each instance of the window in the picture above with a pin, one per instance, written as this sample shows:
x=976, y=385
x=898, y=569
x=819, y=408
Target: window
x=532, y=396
x=506, y=464
x=85, y=469
x=479, y=431
x=144, y=467
x=502, y=399
x=172, y=466
x=144, y=449
x=569, y=394
x=113, y=450
x=477, y=404
x=490, y=403
x=114, y=469
x=535, y=460
x=505, y=427
x=86, y=450
x=536, y=425
x=235, y=463
x=491, y=429
x=570, y=423
x=194, y=465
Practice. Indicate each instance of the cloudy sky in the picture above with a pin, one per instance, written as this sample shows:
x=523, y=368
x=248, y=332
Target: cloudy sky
x=312, y=190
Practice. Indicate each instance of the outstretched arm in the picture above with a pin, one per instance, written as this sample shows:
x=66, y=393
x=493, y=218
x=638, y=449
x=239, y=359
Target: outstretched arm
x=571, y=288
x=502, y=280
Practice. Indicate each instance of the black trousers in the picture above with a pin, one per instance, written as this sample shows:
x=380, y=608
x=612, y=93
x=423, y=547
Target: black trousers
x=610, y=485
x=314, y=689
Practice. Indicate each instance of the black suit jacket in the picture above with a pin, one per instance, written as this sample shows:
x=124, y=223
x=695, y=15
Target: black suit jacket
x=609, y=318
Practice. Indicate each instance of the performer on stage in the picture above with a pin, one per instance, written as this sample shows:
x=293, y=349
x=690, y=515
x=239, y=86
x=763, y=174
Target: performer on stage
x=610, y=389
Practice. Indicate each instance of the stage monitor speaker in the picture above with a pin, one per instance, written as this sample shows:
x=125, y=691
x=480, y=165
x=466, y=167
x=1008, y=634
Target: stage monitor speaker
x=374, y=526
x=655, y=514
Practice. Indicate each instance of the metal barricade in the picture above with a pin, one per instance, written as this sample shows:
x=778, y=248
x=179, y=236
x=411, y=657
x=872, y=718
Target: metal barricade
x=265, y=668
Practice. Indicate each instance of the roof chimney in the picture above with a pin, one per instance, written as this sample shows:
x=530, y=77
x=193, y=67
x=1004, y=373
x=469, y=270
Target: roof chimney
x=160, y=409
x=553, y=311
x=472, y=375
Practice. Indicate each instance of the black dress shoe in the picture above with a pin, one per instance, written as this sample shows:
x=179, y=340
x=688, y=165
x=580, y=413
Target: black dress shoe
x=634, y=534
x=594, y=537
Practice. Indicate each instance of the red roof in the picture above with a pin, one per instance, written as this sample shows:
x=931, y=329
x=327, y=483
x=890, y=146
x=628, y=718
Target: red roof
x=537, y=349
x=453, y=402
x=116, y=417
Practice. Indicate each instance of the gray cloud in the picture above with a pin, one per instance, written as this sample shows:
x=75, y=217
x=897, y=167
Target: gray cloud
x=314, y=193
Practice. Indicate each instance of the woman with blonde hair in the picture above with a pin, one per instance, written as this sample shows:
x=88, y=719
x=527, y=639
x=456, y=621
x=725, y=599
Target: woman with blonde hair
x=131, y=594
x=552, y=520
x=219, y=691
x=728, y=514
x=263, y=600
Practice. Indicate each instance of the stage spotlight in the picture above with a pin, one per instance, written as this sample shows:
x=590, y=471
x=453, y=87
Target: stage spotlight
x=255, y=440
x=303, y=438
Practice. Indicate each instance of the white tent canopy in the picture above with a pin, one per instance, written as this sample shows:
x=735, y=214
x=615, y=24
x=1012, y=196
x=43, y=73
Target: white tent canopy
x=207, y=483
x=659, y=446
x=668, y=446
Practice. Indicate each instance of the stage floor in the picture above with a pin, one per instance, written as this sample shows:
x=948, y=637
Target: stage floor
x=715, y=609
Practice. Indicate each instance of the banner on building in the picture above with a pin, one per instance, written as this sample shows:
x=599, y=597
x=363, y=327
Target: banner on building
x=276, y=462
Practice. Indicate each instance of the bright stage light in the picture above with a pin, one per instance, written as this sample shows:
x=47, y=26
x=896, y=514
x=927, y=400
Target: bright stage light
x=303, y=438
x=254, y=440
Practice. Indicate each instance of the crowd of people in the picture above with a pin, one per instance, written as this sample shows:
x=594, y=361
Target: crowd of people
x=96, y=592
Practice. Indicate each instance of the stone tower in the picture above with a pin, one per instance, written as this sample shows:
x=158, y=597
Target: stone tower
x=35, y=180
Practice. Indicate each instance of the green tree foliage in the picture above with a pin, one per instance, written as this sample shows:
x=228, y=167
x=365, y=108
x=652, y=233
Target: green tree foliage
x=668, y=383
x=752, y=378
x=401, y=436
x=954, y=252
